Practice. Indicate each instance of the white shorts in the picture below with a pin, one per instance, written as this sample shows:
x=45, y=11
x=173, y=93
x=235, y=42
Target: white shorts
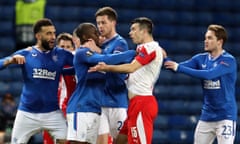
x=83, y=127
x=112, y=120
x=28, y=124
x=206, y=132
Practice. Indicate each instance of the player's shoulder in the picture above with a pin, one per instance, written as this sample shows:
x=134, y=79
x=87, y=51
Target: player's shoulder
x=227, y=54
x=24, y=51
x=84, y=51
x=119, y=39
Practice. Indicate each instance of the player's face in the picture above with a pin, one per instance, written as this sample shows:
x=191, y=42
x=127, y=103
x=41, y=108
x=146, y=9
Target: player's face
x=105, y=26
x=47, y=37
x=66, y=44
x=136, y=33
x=211, y=43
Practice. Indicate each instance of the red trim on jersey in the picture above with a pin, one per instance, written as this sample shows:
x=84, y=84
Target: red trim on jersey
x=144, y=57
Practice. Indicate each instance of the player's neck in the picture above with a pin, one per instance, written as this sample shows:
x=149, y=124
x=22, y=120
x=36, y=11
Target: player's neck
x=148, y=39
x=216, y=53
x=112, y=34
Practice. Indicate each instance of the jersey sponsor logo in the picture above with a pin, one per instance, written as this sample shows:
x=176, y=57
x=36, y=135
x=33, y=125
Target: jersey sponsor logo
x=44, y=74
x=209, y=84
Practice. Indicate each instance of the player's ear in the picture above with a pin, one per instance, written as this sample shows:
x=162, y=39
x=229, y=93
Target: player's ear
x=38, y=36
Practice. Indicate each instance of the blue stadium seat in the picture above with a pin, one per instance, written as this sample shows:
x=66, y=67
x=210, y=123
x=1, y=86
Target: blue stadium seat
x=223, y=5
x=223, y=18
x=204, y=18
x=185, y=17
x=127, y=15
x=123, y=29
x=87, y=14
x=181, y=57
x=64, y=3
x=7, y=2
x=16, y=88
x=72, y=13
x=4, y=88
x=181, y=137
x=6, y=74
x=122, y=4
x=204, y=5
x=157, y=4
x=16, y=73
x=6, y=12
x=186, y=92
x=7, y=45
x=131, y=45
x=163, y=17
x=185, y=5
x=165, y=31
x=186, y=33
x=53, y=12
x=6, y=28
x=179, y=107
x=65, y=26
x=161, y=122
x=183, y=122
x=160, y=137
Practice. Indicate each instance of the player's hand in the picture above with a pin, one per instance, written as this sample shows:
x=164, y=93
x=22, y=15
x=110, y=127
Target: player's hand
x=101, y=66
x=171, y=65
x=17, y=59
x=92, y=45
x=101, y=39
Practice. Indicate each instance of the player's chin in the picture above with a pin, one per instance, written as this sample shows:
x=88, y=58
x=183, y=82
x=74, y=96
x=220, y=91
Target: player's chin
x=51, y=45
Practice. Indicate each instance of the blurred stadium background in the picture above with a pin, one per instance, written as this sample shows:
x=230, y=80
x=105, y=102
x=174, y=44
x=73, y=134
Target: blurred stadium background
x=179, y=28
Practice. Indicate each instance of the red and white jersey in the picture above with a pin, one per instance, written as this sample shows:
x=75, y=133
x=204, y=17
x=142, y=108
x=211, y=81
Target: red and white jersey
x=67, y=85
x=141, y=82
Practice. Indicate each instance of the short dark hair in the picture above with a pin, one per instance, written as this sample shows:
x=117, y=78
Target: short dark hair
x=86, y=31
x=64, y=36
x=110, y=12
x=40, y=23
x=144, y=23
x=220, y=32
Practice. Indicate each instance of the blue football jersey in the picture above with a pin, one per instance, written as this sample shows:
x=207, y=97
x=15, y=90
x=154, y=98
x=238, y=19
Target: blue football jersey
x=218, y=77
x=41, y=74
x=115, y=89
x=88, y=93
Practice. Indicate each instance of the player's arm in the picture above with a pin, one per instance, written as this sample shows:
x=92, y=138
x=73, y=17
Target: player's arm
x=123, y=68
x=144, y=57
x=95, y=58
x=17, y=58
x=224, y=67
x=14, y=59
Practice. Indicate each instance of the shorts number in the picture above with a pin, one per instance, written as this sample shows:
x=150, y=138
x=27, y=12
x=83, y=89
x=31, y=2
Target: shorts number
x=120, y=124
x=227, y=131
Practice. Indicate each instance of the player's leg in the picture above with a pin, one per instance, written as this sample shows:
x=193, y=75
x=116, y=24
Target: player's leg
x=122, y=137
x=141, y=115
x=204, y=132
x=117, y=116
x=25, y=125
x=47, y=138
x=103, y=131
x=56, y=125
x=83, y=127
x=226, y=131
